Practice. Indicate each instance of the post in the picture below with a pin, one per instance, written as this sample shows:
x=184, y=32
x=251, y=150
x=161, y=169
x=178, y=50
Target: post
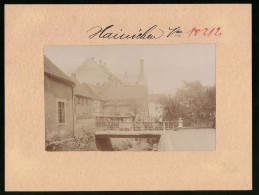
x=164, y=126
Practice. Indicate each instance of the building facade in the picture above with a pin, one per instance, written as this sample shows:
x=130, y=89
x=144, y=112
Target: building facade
x=58, y=93
x=154, y=106
x=93, y=96
x=87, y=105
x=126, y=103
x=123, y=97
x=94, y=73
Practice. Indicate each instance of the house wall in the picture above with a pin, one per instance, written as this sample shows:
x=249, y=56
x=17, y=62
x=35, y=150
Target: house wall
x=124, y=107
x=84, y=116
x=155, y=109
x=54, y=90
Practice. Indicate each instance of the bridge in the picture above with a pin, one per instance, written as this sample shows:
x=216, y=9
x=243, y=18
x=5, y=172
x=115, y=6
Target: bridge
x=110, y=130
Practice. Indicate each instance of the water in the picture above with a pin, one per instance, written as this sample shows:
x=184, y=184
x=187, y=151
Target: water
x=132, y=144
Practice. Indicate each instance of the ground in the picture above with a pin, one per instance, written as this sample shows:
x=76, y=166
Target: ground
x=189, y=139
x=180, y=140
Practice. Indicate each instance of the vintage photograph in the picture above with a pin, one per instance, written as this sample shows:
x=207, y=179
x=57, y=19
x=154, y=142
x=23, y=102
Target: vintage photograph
x=130, y=97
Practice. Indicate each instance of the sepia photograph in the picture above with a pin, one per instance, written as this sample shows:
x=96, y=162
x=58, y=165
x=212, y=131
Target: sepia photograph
x=95, y=101
x=130, y=97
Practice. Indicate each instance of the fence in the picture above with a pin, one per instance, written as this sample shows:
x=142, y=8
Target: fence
x=135, y=126
x=189, y=124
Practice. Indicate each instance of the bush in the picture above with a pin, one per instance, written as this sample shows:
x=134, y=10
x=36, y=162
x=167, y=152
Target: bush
x=85, y=143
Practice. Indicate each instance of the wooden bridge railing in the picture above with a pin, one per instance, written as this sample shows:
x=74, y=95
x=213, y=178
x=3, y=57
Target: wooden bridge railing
x=135, y=126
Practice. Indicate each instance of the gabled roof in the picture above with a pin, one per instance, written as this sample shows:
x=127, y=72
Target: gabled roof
x=124, y=92
x=51, y=69
x=92, y=72
x=85, y=91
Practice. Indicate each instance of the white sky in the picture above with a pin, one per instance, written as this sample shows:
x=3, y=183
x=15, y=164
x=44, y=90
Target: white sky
x=166, y=66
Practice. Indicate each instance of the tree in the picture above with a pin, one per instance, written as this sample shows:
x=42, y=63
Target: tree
x=171, y=108
x=193, y=102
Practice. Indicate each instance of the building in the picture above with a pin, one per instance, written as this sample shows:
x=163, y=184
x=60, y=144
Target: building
x=58, y=93
x=125, y=103
x=134, y=79
x=154, y=106
x=90, y=98
x=87, y=104
x=94, y=73
x=123, y=97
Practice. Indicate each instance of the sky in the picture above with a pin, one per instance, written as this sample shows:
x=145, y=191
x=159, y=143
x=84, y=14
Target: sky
x=165, y=66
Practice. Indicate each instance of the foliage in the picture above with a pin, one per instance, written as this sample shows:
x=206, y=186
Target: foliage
x=193, y=102
x=135, y=107
x=85, y=143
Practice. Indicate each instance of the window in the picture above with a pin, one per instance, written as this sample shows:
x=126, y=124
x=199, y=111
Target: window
x=61, y=112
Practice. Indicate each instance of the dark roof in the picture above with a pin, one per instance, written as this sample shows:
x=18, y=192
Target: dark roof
x=85, y=91
x=124, y=92
x=51, y=69
x=155, y=97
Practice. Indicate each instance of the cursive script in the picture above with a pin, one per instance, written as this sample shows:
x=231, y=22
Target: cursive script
x=106, y=33
x=153, y=32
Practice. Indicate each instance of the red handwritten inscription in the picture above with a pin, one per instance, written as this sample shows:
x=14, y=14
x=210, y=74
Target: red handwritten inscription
x=204, y=32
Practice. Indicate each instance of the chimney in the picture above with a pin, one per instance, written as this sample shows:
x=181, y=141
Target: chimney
x=100, y=62
x=141, y=66
x=92, y=58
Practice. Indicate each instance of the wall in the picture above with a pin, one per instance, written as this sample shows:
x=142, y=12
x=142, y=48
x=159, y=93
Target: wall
x=84, y=116
x=92, y=72
x=155, y=109
x=124, y=107
x=54, y=89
